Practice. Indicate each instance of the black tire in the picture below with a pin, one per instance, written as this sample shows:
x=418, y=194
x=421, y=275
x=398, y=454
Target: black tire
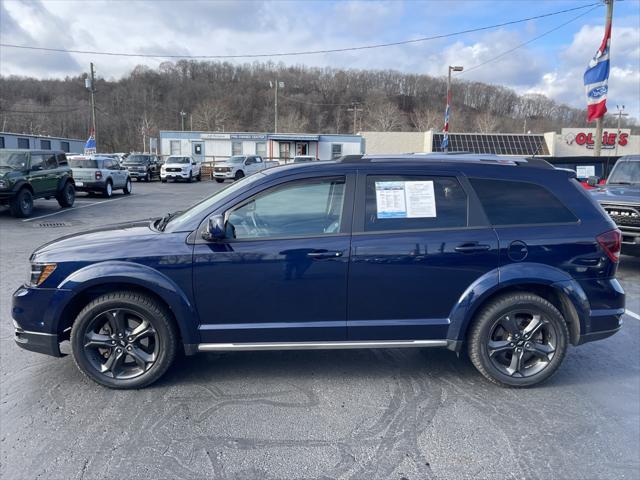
x=108, y=189
x=199, y=177
x=147, y=177
x=220, y=180
x=22, y=204
x=95, y=337
x=190, y=179
x=518, y=340
x=163, y=180
x=128, y=187
x=67, y=196
x=239, y=175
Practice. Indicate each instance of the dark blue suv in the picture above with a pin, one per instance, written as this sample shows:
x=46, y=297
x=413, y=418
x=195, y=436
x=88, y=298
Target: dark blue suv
x=508, y=259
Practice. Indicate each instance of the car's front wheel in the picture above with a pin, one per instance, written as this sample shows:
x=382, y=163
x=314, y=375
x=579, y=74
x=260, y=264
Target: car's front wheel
x=22, y=204
x=124, y=340
x=518, y=340
x=128, y=187
x=220, y=180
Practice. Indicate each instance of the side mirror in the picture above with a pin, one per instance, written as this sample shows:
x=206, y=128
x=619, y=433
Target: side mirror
x=593, y=181
x=193, y=163
x=215, y=229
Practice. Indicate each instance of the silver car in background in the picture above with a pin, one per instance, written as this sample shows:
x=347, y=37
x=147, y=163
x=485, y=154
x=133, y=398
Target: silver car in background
x=96, y=174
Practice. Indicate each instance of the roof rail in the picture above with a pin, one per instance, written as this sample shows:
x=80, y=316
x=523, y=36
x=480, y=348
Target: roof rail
x=453, y=157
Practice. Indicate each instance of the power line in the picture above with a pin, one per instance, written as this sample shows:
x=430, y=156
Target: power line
x=308, y=52
x=42, y=112
x=467, y=70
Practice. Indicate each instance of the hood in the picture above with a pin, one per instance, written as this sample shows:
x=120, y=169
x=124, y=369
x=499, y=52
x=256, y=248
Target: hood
x=124, y=240
x=619, y=194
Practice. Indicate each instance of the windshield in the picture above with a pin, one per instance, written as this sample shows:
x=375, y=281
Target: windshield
x=625, y=172
x=237, y=159
x=177, y=160
x=83, y=163
x=202, y=208
x=13, y=160
x=137, y=159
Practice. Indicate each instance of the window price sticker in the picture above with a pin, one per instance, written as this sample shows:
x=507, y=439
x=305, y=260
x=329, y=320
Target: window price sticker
x=405, y=199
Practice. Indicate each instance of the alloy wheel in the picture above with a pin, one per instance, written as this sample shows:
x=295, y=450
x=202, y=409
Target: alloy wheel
x=121, y=344
x=522, y=343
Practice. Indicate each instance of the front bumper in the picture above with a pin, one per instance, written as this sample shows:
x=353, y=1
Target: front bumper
x=6, y=195
x=47, y=343
x=37, y=313
x=134, y=174
x=174, y=175
x=223, y=174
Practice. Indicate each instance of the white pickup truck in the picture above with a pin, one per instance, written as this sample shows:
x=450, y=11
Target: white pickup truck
x=180, y=167
x=239, y=166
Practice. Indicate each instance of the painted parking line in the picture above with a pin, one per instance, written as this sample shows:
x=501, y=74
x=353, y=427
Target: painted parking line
x=632, y=314
x=76, y=208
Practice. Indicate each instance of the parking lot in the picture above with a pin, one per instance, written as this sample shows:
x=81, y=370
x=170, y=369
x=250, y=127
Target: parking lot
x=362, y=414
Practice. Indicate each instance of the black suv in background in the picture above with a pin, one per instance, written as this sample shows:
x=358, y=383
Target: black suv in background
x=29, y=174
x=143, y=166
x=620, y=197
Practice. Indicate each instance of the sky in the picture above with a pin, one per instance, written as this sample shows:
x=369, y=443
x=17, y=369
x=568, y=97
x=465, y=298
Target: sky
x=552, y=65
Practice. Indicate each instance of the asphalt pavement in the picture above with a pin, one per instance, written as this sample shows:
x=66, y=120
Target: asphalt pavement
x=361, y=414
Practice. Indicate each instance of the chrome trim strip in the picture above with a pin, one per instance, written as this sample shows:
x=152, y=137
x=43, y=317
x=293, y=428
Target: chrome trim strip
x=21, y=331
x=217, y=347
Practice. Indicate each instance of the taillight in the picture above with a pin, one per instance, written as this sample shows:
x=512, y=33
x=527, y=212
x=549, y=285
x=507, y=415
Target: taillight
x=611, y=243
x=98, y=175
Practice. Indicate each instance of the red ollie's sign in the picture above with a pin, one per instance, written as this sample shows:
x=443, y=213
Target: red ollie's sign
x=609, y=139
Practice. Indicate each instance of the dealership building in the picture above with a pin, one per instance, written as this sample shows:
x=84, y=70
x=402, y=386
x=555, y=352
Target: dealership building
x=40, y=142
x=571, y=148
x=217, y=146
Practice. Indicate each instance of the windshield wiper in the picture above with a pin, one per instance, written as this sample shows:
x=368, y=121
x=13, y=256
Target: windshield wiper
x=162, y=223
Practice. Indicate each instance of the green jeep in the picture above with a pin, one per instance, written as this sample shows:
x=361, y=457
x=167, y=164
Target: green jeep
x=29, y=174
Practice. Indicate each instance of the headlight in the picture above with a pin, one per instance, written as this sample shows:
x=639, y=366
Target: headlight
x=3, y=184
x=40, y=272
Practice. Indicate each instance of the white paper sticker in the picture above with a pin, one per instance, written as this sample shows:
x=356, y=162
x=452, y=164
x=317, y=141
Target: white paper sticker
x=405, y=199
x=585, y=171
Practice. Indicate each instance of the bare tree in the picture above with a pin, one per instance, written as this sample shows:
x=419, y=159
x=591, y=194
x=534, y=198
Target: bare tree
x=211, y=115
x=424, y=119
x=383, y=116
x=486, y=122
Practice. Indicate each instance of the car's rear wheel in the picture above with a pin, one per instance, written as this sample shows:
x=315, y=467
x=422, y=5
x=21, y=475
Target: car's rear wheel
x=124, y=340
x=219, y=180
x=22, y=204
x=67, y=196
x=108, y=189
x=518, y=340
x=128, y=187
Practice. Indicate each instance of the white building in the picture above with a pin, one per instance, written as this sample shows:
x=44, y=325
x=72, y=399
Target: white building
x=571, y=142
x=216, y=146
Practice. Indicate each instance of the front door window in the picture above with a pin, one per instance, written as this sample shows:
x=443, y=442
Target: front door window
x=308, y=208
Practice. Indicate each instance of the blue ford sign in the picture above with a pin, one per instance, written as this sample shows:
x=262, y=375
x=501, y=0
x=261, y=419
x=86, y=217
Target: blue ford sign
x=598, y=92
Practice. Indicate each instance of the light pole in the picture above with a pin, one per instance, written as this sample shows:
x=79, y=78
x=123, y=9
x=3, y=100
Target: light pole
x=183, y=114
x=90, y=84
x=620, y=114
x=445, y=139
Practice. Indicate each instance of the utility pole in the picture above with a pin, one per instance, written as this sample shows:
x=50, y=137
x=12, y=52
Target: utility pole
x=607, y=26
x=355, y=111
x=620, y=114
x=183, y=114
x=445, y=139
x=278, y=85
x=90, y=84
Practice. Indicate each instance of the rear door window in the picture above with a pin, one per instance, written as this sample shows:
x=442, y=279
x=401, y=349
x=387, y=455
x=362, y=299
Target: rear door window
x=399, y=202
x=520, y=203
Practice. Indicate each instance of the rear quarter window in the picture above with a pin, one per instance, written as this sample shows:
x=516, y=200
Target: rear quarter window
x=509, y=202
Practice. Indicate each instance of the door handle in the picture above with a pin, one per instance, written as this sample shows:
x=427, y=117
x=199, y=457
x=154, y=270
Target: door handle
x=472, y=248
x=320, y=254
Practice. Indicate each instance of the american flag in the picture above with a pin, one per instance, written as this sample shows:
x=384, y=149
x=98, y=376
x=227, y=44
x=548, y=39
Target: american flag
x=445, y=138
x=596, y=79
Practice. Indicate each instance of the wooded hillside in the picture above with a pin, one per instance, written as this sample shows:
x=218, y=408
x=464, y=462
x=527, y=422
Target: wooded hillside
x=217, y=96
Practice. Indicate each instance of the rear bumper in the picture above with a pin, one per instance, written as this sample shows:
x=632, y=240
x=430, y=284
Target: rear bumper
x=607, y=300
x=83, y=186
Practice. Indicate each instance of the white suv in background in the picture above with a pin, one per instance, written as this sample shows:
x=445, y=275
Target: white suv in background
x=180, y=167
